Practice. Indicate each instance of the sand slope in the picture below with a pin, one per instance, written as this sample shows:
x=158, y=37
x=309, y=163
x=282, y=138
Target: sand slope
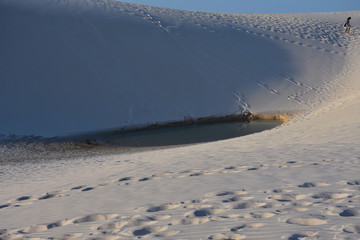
x=78, y=66
x=298, y=181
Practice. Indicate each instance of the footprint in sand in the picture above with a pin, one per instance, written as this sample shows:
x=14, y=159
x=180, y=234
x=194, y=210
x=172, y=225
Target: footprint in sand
x=330, y=195
x=60, y=223
x=196, y=174
x=288, y=197
x=163, y=207
x=227, y=216
x=281, y=191
x=5, y=205
x=352, y=229
x=194, y=201
x=292, y=209
x=306, y=221
x=24, y=198
x=88, y=189
x=159, y=218
x=11, y=234
x=95, y=218
x=299, y=236
x=167, y=234
x=238, y=198
x=112, y=226
x=190, y=221
x=259, y=215
x=104, y=237
x=195, y=206
x=69, y=236
x=125, y=179
x=149, y=230
x=222, y=236
x=34, y=229
x=48, y=196
x=229, y=193
x=145, y=179
x=350, y=212
x=273, y=205
x=247, y=225
x=308, y=185
x=157, y=175
x=205, y=212
x=249, y=204
x=356, y=182
x=141, y=222
x=78, y=187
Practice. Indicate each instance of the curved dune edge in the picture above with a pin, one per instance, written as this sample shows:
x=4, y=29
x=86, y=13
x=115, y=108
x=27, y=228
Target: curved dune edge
x=282, y=117
x=192, y=64
x=244, y=117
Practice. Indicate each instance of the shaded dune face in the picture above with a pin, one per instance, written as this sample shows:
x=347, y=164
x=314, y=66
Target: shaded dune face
x=91, y=67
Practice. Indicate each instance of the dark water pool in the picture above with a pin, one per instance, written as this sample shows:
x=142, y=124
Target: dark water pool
x=180, y=135
x=20, y=149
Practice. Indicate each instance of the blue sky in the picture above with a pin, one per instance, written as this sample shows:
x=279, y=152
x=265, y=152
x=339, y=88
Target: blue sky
x=256, y=6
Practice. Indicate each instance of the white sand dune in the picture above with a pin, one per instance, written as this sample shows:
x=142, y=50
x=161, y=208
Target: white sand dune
x=79, y=66
x=90, y=65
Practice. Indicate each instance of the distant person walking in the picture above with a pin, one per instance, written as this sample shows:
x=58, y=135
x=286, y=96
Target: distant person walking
x=347, y=25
